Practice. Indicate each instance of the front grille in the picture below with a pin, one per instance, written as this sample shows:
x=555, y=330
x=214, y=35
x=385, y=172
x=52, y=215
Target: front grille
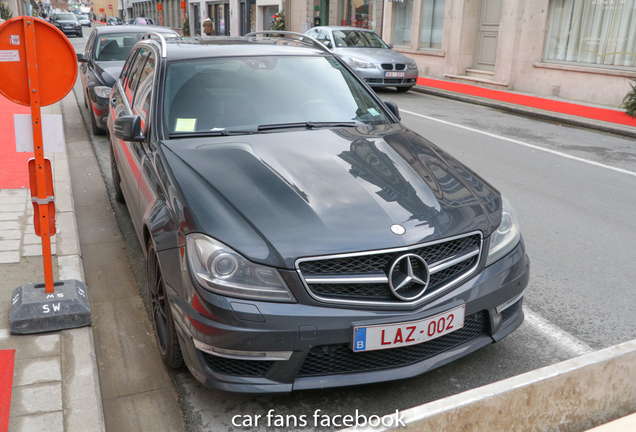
x=339, y=359
x=391, y=66
x=393, y=81
x=245, y=368
x=363, y=266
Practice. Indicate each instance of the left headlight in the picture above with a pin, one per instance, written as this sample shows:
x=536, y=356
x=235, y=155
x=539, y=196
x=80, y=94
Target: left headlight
x=219, y=269
x=362, y=64
x=507, y=235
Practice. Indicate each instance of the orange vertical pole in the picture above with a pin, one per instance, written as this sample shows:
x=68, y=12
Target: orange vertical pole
x=38, y=144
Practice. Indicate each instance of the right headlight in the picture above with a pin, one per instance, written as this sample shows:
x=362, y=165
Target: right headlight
x=219, y=269
x=507, y=235
x=362, y=64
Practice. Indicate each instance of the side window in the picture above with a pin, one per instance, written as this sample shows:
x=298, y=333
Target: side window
x=126, y=69
x=89, y=45
x=143, y=92
x=133, y=75
x=313, y=34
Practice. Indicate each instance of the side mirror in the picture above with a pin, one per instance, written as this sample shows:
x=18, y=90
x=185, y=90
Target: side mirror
x=390, y=46
x=128, y=128
x=328, y=44
x=81, y=58
x=393, y=108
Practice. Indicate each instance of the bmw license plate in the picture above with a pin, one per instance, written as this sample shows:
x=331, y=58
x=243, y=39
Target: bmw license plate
x=383, y=336
x=394, y=74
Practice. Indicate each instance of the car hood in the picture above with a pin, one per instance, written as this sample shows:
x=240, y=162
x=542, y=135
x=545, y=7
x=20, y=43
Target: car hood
x=66, y=22
x=320, y=192
x=373, y=55
x=109, y=71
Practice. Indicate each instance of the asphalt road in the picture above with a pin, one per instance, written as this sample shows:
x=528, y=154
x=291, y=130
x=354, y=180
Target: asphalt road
x=574, y=191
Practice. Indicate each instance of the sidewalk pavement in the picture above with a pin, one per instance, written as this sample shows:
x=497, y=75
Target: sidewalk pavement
x=601, y=118
x=54, y=386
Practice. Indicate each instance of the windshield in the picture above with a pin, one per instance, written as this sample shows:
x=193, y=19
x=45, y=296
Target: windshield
x=67, y=16
x=357, y=39
x=264, y=93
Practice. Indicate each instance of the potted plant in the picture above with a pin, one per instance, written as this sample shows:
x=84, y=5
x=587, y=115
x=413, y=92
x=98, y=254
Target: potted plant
x=629, y=101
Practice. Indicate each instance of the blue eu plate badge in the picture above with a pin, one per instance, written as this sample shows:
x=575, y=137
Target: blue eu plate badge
x=360, y=340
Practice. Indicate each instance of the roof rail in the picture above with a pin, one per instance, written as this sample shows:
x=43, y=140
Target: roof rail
x=299, y=36
x=162, y=41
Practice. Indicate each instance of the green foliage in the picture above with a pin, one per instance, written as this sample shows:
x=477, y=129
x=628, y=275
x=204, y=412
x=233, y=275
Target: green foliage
x=629, y=101
x=186, y=25
x=5, y=12
x=279, y=21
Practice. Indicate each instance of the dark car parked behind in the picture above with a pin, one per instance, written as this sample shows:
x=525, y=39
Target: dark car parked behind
x=101, y=62
x=297, y=234
x=67, y=23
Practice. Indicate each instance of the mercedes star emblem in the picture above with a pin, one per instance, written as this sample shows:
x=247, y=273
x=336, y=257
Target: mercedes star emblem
x=408, y=276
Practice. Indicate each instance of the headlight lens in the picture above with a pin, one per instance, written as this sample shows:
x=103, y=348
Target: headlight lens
x=413, y=65
x=102, y=91
x=219, y=269
x=362, y=64
x=507, y=235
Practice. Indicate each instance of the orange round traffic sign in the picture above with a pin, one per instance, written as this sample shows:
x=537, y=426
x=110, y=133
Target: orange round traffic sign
x=56, y=61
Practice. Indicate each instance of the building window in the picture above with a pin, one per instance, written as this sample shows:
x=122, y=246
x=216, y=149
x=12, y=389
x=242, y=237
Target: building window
x=595, y=32
x=432, y=24
x=402, y=21
x=362, y=13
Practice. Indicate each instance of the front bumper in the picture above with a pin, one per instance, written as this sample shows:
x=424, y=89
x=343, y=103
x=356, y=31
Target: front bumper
x=376, y=77
x=317, y=337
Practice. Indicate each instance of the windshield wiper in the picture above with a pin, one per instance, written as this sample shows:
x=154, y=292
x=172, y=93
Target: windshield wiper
x=308, y=125
x=211, y=133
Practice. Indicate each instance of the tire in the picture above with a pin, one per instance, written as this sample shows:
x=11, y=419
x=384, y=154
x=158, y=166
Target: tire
x=119, y=195
x=403, y=89
x=162, y=320
x=96, y=129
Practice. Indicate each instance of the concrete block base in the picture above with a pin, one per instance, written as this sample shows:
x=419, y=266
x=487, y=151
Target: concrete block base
x=35, y=311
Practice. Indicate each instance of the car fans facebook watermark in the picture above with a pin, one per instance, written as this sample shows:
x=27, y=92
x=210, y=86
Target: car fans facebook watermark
x=317, y=419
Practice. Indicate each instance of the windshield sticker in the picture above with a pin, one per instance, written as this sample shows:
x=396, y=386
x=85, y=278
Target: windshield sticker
x=185, y=125
x=373, y=111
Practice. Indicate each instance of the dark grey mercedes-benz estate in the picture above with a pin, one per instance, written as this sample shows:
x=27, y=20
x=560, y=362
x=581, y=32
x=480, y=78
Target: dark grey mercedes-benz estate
x=297, y=235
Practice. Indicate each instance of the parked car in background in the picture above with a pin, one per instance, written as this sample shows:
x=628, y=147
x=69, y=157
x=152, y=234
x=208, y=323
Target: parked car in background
x=84, y=20
x=141, y=21
x=366, y=53
x=67, y=22
x=101, y=63
x=114, y=21
x=298, y=235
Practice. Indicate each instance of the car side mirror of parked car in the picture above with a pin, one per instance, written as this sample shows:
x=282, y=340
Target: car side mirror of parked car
x=393, y=108
x=390, y=46
x=128, y=128
x=81, y=58
x=328, y=44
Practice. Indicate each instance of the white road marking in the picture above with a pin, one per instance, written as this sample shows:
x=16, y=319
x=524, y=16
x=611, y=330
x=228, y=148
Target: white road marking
x=562, y=338
x=521, y=143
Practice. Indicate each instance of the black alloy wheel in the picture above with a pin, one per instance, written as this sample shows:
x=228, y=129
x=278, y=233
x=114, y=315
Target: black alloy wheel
x=162, y=320
x=114, y=171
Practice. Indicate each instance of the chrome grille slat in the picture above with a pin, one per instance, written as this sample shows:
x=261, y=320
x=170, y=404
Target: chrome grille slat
x=359, y=278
